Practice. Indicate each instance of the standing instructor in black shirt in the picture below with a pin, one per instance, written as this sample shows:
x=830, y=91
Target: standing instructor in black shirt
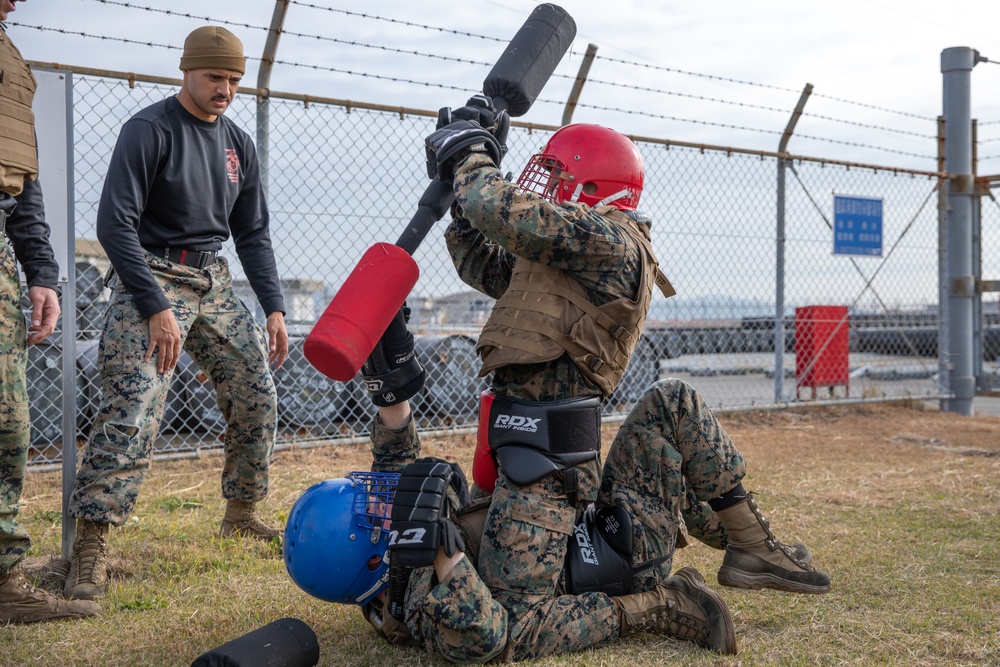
x=182, y=179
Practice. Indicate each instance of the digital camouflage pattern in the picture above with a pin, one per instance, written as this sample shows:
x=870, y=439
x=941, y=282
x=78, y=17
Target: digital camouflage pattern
x=493, y=223
x=670, y=449
x=669, y=452
x=15, y=422
x=221, y=336
x=669, y=456
x=393, y=449
x=701, y=522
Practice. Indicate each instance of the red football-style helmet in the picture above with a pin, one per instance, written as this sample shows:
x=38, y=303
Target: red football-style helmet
x=586, y=163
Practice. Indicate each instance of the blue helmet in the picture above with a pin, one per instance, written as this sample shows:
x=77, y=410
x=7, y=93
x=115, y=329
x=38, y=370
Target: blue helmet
x=337, y=537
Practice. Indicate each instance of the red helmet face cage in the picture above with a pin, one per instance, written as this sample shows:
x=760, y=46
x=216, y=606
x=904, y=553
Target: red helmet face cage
x=586, y=163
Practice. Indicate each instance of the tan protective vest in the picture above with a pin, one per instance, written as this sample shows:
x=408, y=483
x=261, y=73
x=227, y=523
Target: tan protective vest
x=18, y=156
x=545, y=312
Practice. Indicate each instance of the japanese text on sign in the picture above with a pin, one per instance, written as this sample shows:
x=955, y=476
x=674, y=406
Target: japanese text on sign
x=857, y=226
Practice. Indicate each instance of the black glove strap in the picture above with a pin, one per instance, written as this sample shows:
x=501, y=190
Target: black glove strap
x=399, y=579
x=392, y=373
x=394, y=386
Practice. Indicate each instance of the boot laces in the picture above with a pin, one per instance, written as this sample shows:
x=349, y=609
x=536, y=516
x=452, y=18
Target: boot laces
x=31, y=593
x=773, y=543
x=253, y=520
x=670, y=621
x=90, y=555
x=22, y=582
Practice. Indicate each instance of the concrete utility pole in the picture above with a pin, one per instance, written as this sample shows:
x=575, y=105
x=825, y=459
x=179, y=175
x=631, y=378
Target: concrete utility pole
x=956, y=67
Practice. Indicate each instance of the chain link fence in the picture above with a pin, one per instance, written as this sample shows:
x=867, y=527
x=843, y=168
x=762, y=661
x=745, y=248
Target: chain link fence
x=341, y=178
x=988, y=232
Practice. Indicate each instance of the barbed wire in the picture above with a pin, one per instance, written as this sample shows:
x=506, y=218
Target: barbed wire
x=758, y=85
x=186, y=15
x=744, y=128
x=399, y=21
x=464, y=33
x=761, y=107
x=383, y=77
x=464, y=89
x=874, y=107
x=292, y=33
x=106, y=38
x=424, y=26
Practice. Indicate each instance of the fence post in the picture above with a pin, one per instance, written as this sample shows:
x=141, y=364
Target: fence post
x=581, y=78
x=263, y=92
x=956, y=67
x=779, y=243
x=944, y=369
x=977, y=268
x=54, y=123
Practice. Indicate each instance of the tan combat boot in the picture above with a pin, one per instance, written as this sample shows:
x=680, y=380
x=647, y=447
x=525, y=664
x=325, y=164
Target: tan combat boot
x=20, y=602
x=756, y=559
x=88, y=569
x=242, y=519
x=682, y=607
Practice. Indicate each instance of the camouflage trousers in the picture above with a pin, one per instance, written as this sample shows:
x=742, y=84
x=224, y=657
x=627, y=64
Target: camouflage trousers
x=221, y=336
x=668, y=458
x=15, y=423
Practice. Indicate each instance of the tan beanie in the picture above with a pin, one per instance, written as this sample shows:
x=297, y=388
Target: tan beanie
x=213, y=47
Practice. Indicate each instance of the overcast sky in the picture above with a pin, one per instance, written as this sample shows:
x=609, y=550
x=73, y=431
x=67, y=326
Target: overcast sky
x=724, y=73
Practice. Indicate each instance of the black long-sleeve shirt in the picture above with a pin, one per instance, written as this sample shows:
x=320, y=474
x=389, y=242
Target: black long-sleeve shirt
x=29, y=236
x=177, y=181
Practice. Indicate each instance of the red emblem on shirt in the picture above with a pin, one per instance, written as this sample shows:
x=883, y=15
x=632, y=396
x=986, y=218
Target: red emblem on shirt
x=233, y=165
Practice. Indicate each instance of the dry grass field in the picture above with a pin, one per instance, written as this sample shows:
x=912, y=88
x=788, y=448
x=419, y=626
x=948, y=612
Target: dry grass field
x=899, y=504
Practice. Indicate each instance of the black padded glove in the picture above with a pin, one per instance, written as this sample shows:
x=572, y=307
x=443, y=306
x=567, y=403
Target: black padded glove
x=420, y=523
x=392, y=372
x=448, y=144
x=479, y=109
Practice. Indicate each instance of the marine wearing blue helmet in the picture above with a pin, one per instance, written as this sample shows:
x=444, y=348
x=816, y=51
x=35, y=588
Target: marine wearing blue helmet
x=335, y=526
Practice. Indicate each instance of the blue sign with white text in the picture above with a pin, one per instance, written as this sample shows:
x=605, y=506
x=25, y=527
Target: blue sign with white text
x=857, y=226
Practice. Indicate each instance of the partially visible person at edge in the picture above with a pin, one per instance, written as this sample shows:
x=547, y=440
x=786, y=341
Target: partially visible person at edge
x=25, y=235
x=182, y=179
x=557, y=554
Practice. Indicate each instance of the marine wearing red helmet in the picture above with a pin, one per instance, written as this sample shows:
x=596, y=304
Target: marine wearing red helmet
x=587, y=163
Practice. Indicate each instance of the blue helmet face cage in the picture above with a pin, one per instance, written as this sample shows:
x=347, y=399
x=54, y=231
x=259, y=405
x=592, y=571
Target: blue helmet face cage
x=337, y=537
x=373, y=494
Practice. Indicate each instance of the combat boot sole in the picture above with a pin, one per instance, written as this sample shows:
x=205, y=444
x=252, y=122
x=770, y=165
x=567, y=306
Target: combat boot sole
x=742, y=569
x=722, y=634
